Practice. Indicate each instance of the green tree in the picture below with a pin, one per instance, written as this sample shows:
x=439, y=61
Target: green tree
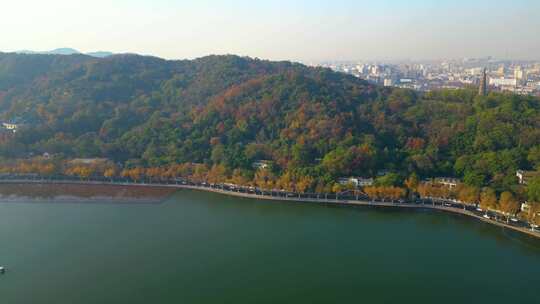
x=533, y=190
x=388, y=180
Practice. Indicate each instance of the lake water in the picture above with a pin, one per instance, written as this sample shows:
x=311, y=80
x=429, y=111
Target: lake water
x=206, y=248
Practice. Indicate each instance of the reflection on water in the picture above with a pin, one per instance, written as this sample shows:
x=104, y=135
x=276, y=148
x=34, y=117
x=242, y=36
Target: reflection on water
x=88, y=194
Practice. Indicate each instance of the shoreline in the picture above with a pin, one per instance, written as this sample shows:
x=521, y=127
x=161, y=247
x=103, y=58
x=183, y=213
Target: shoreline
x=31, y=192
x=336, y=202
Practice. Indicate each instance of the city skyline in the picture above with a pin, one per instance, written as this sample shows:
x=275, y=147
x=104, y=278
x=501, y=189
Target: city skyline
x=300, y=31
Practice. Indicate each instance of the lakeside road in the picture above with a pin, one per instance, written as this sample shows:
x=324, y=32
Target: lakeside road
x=263, y=195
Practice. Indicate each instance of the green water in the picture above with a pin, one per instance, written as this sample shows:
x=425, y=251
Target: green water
x=206, y=248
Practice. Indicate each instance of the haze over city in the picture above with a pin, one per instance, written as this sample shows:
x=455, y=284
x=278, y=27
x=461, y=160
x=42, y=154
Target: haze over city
x=279, y=30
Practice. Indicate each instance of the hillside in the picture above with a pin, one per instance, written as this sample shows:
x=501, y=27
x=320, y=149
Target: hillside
x=233, y=111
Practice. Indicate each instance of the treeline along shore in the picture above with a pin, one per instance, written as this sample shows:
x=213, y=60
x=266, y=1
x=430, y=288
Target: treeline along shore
x=164, y=188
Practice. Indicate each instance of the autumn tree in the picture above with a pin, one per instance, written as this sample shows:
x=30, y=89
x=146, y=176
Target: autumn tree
x=412, y=183
x=424, y=189
x=322, y=186
x=135, y=174
x=488, y=199
x=110, y=173
x=468, y=194
x=200, y=172
x=371, y=192
x=508, y=204
x=83, y=172
x=286, y=182
x=154, y=173
x=217, y=174
x=532, y=214
x=264, y=179
x=240, y=177
x=46, y=169
x=304, y=183
x=337, y=188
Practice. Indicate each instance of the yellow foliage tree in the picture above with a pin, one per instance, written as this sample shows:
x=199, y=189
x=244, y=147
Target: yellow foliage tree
x=304, y=183
x=217, y=174
x=264, y=179
x=110, y=172
x=508, y=204
x=488, y=199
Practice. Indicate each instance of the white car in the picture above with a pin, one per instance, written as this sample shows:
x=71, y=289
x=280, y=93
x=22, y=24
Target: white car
x=487, y=216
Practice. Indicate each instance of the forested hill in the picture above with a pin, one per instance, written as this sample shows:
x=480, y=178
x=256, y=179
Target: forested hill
x=233, y=111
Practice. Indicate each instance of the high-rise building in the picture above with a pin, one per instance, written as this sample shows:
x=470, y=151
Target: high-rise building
x=483, y=83
x=520, y=75
x=501, y=71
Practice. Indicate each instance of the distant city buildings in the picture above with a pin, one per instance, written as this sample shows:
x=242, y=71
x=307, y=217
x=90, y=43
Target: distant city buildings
x=488, y=74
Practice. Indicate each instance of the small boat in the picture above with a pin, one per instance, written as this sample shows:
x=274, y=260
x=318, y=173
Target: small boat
x=2, y=270
x=479, y=209
x=513, y=219
x=486, y=216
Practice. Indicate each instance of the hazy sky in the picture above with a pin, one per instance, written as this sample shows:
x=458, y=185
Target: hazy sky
x=295, y=30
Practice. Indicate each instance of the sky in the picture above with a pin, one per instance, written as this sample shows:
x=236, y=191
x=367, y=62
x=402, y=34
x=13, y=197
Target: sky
x=301, y=30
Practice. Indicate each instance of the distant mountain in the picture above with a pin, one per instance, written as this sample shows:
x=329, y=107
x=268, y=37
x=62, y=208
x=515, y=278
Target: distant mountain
x=67, y=51
x=100, y=54
x=63, y=51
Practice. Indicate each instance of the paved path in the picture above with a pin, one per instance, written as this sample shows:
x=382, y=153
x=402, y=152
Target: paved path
x=342, y=202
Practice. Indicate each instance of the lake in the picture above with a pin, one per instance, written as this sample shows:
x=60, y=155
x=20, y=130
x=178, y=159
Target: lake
x=198, y=247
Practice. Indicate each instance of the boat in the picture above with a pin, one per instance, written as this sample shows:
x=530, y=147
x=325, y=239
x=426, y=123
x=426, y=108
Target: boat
x=486, y=216
x=2, y=269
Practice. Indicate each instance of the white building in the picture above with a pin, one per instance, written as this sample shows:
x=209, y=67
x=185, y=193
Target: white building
x=520, y=74
x=524, y=176
x=10, y=126
x=262, y=164
x=356, y=181
x=388, y=82
x=503, y=82
x=449, y=182
x=88, y=161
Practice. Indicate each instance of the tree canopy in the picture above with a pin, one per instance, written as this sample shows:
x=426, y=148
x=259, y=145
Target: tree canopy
x=314, y=125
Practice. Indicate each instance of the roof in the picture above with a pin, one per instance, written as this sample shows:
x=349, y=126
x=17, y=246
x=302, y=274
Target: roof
x=88, y=161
